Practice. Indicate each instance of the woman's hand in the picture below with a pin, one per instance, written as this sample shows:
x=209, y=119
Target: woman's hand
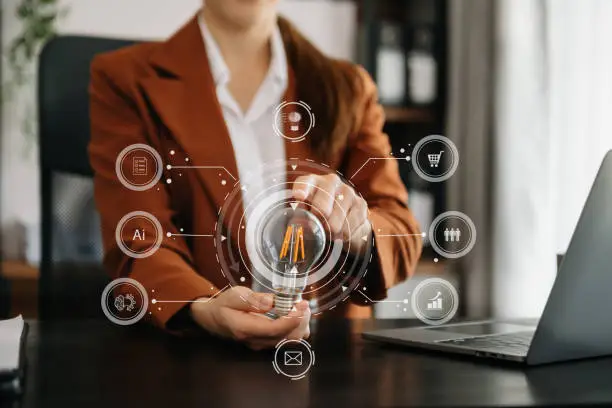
x=237, y=314
x=348, y=218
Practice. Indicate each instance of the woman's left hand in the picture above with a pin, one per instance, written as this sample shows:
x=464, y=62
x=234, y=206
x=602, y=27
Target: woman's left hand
x=347, y=217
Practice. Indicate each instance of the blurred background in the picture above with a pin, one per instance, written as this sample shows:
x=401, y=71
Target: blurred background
x=522, y=87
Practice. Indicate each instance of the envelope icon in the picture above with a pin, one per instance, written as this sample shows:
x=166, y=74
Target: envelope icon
x=293, y=358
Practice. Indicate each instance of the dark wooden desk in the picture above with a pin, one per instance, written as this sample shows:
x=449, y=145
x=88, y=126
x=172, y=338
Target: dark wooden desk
x=97, y=364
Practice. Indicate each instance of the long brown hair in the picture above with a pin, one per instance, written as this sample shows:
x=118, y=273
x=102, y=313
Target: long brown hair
x=328, y=86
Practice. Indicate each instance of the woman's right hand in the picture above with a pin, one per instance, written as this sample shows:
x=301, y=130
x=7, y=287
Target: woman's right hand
x=237, y=314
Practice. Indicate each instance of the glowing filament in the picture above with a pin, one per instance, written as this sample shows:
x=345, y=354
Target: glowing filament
x=293, y=244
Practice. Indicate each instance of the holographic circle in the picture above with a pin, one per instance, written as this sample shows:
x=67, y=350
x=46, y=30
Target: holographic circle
x=331, y=279
x=140, y=166
x=441, y=236
x=434, y=301
x=136, y=294
x=435, y=165
x=290, y=358
x=135, y=215
x=294, y=120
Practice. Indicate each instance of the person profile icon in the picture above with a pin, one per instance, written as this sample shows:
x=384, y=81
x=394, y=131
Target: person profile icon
x=446, y=234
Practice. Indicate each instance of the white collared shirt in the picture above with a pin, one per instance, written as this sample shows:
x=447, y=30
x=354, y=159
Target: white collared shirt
x=253, y=138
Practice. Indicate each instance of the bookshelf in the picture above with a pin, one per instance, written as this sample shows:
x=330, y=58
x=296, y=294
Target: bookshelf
x=412, y=35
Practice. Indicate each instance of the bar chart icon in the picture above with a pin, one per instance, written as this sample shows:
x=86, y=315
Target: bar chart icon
x=435, y=303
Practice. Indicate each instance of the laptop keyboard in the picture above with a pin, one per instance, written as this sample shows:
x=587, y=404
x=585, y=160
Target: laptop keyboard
x=511, y=343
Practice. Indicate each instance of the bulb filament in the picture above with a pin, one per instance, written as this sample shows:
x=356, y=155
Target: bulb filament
x=292, y=250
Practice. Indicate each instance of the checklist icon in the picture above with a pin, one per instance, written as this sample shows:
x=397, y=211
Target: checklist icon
x=139, y=166
x=293, y=358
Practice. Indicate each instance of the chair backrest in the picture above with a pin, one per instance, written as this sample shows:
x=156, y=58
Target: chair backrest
x=71, y=275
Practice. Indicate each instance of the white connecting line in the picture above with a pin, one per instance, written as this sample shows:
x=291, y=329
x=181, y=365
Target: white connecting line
x=380, y=301
x=170, y=167
x=378, y=158
x=420, y=234
x=170, y=234
x=155, y=301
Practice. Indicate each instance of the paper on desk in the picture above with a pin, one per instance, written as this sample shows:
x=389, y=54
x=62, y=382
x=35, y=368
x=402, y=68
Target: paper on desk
x=10, y=343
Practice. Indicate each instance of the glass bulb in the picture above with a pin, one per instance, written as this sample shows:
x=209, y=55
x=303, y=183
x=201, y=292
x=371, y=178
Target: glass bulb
x=293, y=240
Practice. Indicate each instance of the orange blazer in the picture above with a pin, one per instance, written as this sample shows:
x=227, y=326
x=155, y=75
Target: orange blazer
x=138, y=90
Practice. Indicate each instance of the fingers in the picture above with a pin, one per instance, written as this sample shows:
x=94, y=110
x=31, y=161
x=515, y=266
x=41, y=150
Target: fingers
x=339, y=223
x=357, y=217
x=300, y=332
x=318, y=190
x=249, y=327
x=303, y=187
x=244, y=299
x=343, y=209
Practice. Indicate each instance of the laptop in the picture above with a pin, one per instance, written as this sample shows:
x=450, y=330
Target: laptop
x=577, y=320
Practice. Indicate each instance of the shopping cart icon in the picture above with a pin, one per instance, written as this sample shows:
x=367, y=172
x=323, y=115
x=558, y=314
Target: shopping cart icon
x=434, y=159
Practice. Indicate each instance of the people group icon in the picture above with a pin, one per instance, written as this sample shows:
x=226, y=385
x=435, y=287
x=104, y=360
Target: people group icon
x=452, y=235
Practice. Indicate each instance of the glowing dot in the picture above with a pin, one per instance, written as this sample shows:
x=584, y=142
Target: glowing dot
x=159, y=308
x=157, y=188
x=186, y=159
x=211, y=288
x=379, y=230
x=402, y=150
x=169, y=181
x=154, y=301
x=172, y=152
x=404, y=309
x=423, y=234
x=364, y=288
x=169, y=167
x=243, y=227
x=242, y=279
x=340, y=197
x=396, y=305
x=219, y=174
x=152, y=290
x=180, y=174
x=436, y=259
x=223, y=182
x=407, y=158
x=182, y=230
x=168, y=234
x=405, y=301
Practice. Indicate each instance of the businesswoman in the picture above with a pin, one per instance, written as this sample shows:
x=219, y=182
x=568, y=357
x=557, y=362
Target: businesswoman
x=208, y=94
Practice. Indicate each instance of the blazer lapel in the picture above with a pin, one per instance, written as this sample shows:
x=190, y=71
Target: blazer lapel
x=183, y=95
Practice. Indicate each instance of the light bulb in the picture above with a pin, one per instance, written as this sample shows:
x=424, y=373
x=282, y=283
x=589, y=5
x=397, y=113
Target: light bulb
x=293, y=240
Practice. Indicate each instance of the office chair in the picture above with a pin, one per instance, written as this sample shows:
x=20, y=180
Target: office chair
x=71, y=273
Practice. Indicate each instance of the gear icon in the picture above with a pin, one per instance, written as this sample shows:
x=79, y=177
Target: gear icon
x=127, y=302
x=132, y=302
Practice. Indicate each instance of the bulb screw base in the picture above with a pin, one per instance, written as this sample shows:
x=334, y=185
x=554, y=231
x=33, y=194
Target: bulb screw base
x=283, y=303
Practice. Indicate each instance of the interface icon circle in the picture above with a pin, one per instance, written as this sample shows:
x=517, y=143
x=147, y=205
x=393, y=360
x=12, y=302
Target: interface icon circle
x=139, y=167
x=293, y=120
x=139, y=234
x=435, y=158
x=124, y=301
x=435, y=301
x=293, y=358
x=452, y=234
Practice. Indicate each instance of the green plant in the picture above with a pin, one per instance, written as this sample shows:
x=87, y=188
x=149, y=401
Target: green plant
x=38, y=20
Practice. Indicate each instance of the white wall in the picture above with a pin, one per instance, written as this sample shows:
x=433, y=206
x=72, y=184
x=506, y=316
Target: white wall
x=331, y=25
